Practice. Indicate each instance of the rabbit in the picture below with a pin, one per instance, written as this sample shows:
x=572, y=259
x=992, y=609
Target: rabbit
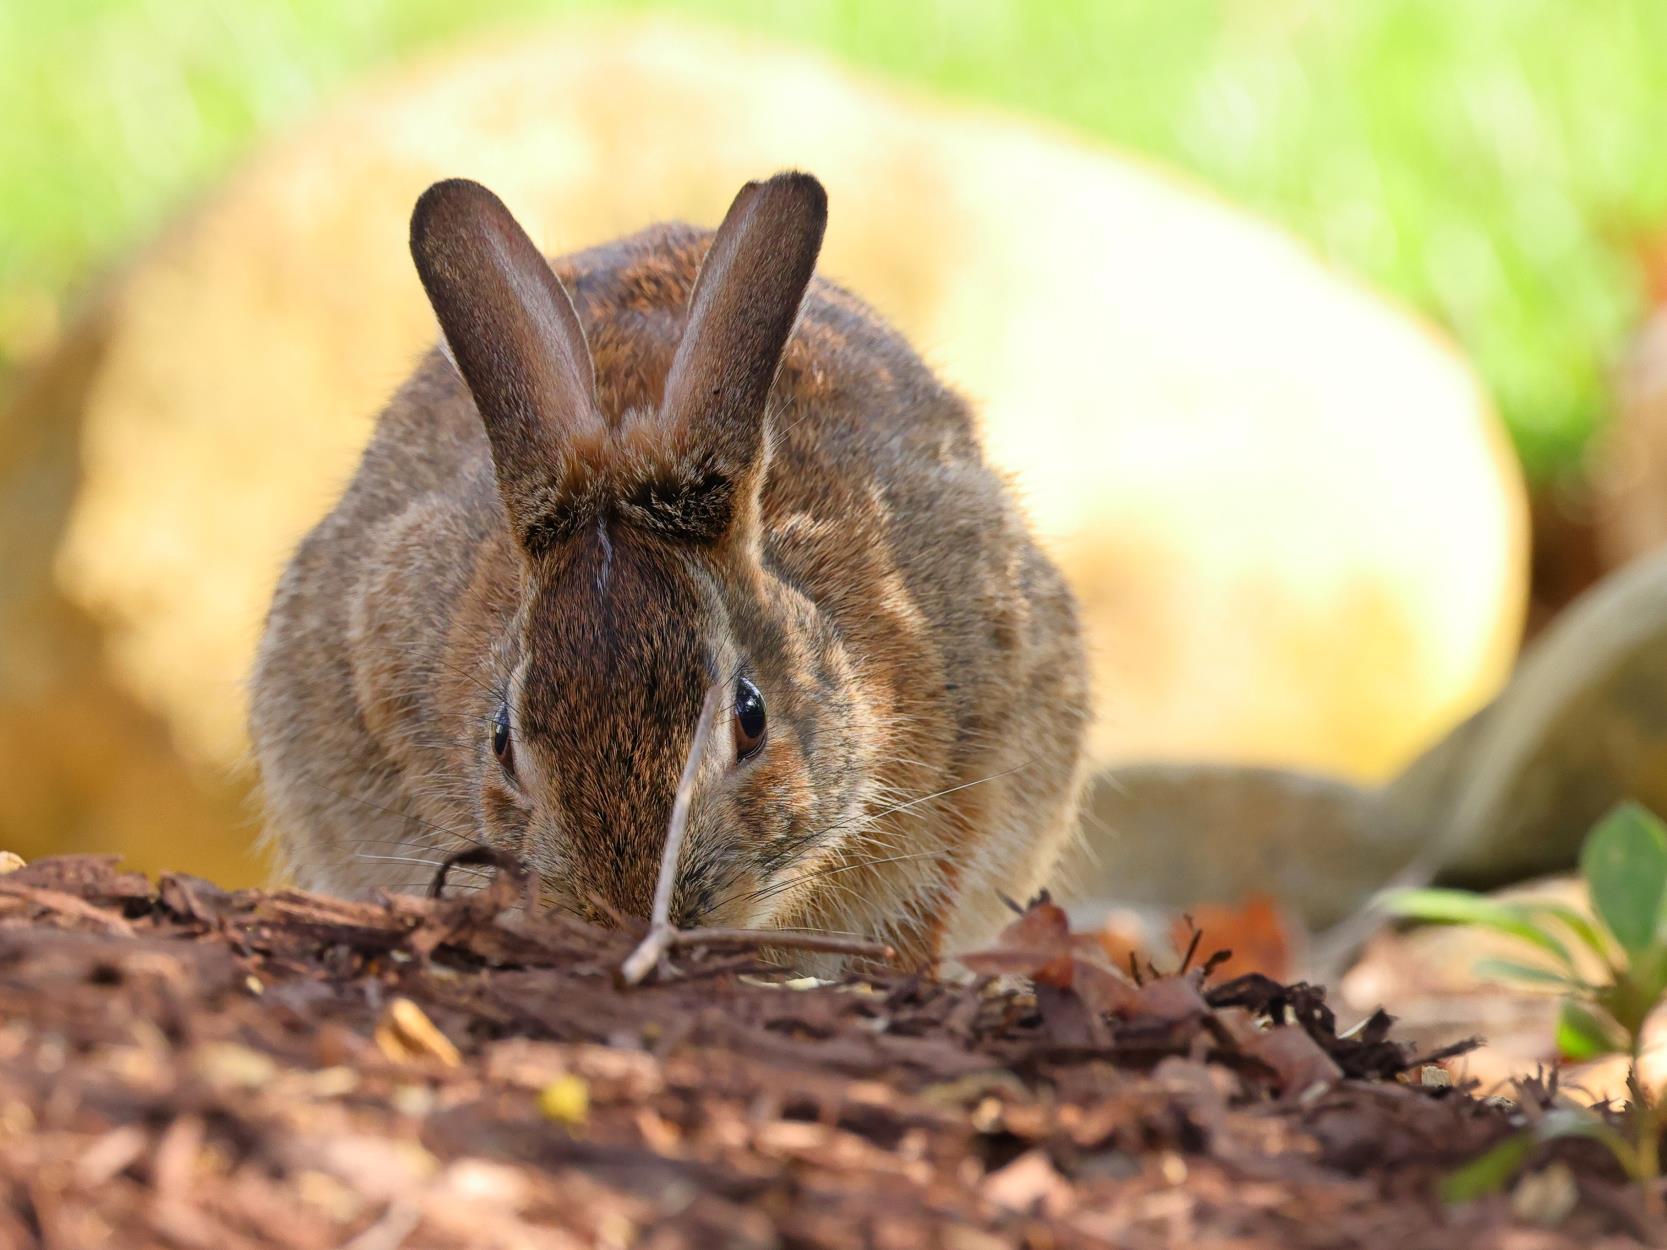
x=625, y=475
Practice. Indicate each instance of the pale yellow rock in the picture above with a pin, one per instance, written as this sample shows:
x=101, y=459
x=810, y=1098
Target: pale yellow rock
x=1581, y=726
x=1295, y=526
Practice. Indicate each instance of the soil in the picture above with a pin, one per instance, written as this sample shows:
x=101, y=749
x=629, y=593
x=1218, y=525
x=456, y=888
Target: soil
x=182, y=1066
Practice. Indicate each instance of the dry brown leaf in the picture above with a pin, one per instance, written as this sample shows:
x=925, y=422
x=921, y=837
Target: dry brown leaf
x=1294, y=1056
x=1041, y=946
x=1102, y=989
x=1256, y=931
x=1167, y=998
x=1036, y=945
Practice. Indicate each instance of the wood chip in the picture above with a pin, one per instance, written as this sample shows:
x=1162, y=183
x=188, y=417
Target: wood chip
x=449, y=1073
x=406, y=1035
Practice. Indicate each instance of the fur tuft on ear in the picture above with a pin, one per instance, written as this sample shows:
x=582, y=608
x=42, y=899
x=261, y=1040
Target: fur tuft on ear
x=742, y=310
x=512, y=333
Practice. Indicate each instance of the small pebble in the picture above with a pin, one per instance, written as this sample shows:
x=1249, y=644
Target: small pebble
x=566, y=1100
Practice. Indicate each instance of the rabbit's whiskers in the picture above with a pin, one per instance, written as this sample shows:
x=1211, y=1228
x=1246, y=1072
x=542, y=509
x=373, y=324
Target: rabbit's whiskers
x=779, y=887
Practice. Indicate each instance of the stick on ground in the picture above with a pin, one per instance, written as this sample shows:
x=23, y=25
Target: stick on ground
x=643, y=960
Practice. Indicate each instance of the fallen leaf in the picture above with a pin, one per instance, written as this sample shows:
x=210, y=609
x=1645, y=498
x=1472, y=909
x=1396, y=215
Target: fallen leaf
x=1167, y=998
x=1295, y=1058
x=1041, y=946
x=1103, y=989
x=1256, y=931
x=1036, y=945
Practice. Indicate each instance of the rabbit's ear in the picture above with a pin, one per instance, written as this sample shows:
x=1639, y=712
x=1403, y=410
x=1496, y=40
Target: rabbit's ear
x=741, y=311
x=512, y=332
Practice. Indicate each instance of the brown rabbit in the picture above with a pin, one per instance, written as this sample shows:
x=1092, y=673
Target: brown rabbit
x=674, y=460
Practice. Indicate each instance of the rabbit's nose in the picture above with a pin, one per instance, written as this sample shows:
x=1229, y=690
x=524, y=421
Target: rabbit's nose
x=612, y=906
x=604, y=915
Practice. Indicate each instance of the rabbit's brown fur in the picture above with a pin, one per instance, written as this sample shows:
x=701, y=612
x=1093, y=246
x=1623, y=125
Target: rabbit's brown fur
x=641, y=535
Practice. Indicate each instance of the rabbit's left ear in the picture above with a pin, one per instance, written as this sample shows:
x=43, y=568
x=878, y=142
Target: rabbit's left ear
x=512, y=333
x=741, y=312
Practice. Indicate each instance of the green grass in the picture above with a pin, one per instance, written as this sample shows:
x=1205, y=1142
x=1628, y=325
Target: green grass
x=1497, y=162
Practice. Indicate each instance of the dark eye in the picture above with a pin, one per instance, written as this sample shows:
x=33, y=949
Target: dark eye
x=749, y=719
x=500, y=737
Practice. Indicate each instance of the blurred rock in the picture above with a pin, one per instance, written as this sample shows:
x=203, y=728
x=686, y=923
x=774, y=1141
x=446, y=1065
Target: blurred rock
x=1631, y=465
x=1568, y=552
x=1296, y=528
x=1581, y=726
x=87, y=768
x=1174, y=836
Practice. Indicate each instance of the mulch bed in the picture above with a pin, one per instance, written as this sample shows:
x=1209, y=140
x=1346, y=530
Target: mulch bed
x=182, y=1066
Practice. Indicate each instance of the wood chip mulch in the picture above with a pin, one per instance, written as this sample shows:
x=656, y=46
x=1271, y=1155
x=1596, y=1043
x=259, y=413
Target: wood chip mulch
x=186, y=1067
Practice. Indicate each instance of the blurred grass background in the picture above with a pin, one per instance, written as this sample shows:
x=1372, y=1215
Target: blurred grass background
x=1496, y=162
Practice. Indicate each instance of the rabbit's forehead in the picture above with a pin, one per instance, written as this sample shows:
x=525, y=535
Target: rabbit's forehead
x=617, y=633
x=616, y=667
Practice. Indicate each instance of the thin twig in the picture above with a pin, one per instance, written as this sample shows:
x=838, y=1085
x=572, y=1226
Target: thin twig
x=679, y=826
x=640, y=962
x=504, y=865
x=646, y=956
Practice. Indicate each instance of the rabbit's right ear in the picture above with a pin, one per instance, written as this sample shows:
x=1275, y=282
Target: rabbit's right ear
x=513, y=334
x=742, y=310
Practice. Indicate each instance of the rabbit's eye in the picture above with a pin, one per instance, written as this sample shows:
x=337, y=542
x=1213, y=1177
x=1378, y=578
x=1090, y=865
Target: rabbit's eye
x=500, y=737
x=749, y=719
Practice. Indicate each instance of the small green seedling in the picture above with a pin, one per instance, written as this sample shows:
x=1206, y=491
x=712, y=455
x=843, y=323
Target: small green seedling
x=1624, y=863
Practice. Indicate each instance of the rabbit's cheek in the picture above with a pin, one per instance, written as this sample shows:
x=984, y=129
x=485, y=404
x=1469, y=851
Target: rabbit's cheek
x=778, y=816
x=505, y=816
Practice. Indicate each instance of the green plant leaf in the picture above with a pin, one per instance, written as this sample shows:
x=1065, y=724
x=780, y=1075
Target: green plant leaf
x=1490, y=1171
x=1624, y=862
x=1577, y=923
x=1582, y=1034
x=1629, y=1000
x=1648, y=973
x=1464, y=907
x=1533, y=974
